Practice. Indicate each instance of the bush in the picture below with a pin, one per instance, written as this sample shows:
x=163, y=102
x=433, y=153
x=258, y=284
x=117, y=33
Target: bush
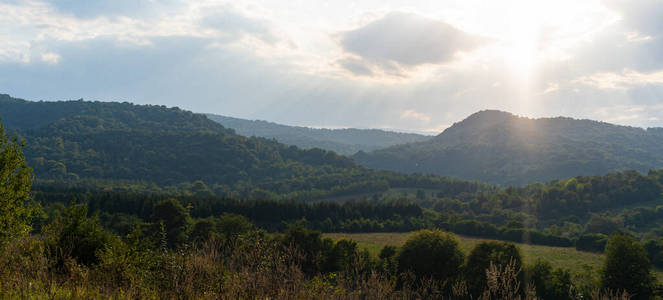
x=431, y=253
x=550, y=284
x=480, y=259
x=592, y=242
x=73, y=235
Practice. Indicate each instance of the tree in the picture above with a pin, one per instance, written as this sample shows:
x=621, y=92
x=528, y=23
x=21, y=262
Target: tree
x=16, y=212
x=627, y=267
x=549, y=283
x=341, y=256
x=431, y=253
x=73, y=234
x=232, y=225
x=175, y=219
x=387, y=259
x=309, y=244
x=480, y=258
x=592, y=242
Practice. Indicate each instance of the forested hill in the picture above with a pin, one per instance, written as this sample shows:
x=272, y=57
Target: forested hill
x=344, y=141
x=136, y=146
x=498, y=147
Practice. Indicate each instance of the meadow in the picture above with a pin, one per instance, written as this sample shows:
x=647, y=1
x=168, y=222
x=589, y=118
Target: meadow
x=583, y=265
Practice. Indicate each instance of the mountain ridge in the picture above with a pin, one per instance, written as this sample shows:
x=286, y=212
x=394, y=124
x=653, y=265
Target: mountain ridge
x=346, y=141
x=502, y=148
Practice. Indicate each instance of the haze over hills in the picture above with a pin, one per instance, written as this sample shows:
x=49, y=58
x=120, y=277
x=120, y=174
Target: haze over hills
x=344, y=141
x=68, y=141
x=501, y=148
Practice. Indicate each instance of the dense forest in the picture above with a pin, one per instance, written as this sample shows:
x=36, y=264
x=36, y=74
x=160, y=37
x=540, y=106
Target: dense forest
x=500, y=148
x=343, y=141
x=99, y=143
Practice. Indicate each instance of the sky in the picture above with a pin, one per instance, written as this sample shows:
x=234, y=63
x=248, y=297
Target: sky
x=415, y=66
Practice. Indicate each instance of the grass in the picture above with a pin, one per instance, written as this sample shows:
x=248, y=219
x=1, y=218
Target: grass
x=578, y=262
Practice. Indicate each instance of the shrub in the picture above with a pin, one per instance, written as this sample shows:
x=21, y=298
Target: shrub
x=431, y=253
x=73, y=235
x=482, y=256
x=592, y=242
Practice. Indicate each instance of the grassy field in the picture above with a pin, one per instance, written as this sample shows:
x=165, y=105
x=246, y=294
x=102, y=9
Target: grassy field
x=578, y=262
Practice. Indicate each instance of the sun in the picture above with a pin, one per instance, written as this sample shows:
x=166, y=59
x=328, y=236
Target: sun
x=521, y=37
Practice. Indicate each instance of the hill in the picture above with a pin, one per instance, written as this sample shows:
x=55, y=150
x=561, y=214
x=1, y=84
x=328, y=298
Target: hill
x=344, y=141
x=501, y=148
x=110, y=144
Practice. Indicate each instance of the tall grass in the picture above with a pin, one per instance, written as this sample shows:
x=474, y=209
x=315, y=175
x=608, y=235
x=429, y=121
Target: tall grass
x=249, y=267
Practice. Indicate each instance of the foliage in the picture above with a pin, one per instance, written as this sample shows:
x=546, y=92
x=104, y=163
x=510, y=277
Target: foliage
x=627, y=267
x=592, y=242
x=73, y=235
x=16, y=211
x=171, y=217
x=549, y=283
x=480, y=259
x=76, y=142
x=431, y=253
x=232, y=225
x=654, y=250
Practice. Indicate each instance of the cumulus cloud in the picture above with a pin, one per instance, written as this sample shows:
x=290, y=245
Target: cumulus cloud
x=644, y=16
x=405, y=39
x=234, y=24
x=212, y=56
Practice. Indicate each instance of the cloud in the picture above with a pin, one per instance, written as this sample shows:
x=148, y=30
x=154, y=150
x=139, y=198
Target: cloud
x=413, y=114
x=634, y=42
x=406, y=40
x=621, y=81
x=95, y=8
x=50, y=58
x=644, y=16
x=643, y=114
x=355, y=66
x=401, y=70
x=552, y=87
x=234, y=24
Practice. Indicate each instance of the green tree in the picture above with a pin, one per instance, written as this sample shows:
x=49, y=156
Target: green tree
x=341, y=256
x=16, y=212
x=388, y=259
x=431, y=253
x=202, y=230
x=73, y=234
x=175, y=219
x=232, y=225
x=627, y=267
x=549, y=283
x=309, y=243
x=479, y=259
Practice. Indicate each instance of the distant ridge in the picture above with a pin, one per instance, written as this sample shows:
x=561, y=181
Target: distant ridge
x=499, y=147
x=344, y=141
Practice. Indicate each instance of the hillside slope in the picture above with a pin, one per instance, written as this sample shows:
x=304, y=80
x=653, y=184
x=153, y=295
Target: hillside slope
x=498, y=147
x=344, y=141
x=147, y=145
